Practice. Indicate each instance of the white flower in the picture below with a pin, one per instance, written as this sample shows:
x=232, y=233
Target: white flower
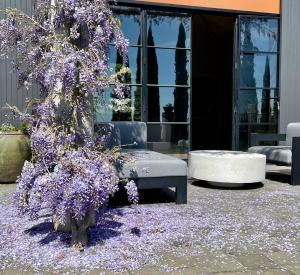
x=121, y=105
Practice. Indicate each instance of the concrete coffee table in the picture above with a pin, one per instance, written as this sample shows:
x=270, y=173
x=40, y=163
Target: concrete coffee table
x=227, y=168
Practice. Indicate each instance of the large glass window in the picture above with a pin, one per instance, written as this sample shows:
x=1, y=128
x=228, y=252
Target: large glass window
x=105, y=109
x=131, y=25
x=168, y=81
x=130, y=20
x=259, y=34
x=166, y=28
x=158, y=82
x=159, y=69
x=133, y=63
x=258, y=70
x=172, y=102
x=258, y=106
x=169, y=138
x=258, y=99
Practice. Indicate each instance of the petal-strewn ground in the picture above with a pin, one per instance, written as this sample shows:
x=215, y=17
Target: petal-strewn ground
x=251, y=229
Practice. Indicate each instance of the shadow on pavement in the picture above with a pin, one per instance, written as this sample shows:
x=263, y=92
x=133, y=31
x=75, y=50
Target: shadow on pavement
x=275, y=176
x=146, y=196
x=247, y=186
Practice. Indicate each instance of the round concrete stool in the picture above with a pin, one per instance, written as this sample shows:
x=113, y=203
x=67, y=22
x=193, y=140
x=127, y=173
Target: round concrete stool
x=227, y=168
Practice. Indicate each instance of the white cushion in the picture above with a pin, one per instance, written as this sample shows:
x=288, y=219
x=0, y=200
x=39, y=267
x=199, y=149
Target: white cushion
x=277, y=154
x=292, y=130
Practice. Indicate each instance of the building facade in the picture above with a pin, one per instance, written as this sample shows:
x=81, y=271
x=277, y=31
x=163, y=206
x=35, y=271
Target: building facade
x=204, y=74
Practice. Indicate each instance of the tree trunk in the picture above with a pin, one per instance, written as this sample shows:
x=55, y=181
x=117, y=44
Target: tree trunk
x=86, y=119
x=78, y=229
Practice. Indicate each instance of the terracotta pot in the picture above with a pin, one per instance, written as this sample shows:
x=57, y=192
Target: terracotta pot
x=14, y=150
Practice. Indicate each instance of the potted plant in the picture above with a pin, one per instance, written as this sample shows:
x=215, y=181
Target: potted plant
x=14, y=150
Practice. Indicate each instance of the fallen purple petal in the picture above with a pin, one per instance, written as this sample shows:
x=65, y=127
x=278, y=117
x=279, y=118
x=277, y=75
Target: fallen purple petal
x=129, y=238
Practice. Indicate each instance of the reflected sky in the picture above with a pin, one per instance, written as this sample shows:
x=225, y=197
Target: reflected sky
x=130, y=20
x=165, y=29
x=264, y=34
x=166, y=67
x=259, y=69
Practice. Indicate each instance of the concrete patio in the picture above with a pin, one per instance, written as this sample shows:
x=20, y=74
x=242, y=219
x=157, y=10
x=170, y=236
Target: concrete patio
x=281, y=204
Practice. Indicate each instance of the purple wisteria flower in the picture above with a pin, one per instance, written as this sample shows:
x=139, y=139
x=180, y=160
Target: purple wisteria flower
x=64, y=49
x=132, y=192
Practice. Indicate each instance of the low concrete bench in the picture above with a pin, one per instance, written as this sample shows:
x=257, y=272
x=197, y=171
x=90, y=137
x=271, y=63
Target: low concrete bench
x=227, y=168
x=148, y=169
x=287, y=154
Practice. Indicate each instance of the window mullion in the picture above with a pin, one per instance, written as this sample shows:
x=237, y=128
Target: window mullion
x=144, y=80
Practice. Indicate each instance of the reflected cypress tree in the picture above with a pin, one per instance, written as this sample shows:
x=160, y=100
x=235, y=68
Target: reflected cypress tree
x=265, y=108
x=122, y=116
x=153, y=93
x=247, y=76
x=137, y=93
x=181, y=103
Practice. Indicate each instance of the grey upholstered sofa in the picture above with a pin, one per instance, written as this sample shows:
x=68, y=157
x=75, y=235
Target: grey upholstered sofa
x=287, y=154
x=148, y=169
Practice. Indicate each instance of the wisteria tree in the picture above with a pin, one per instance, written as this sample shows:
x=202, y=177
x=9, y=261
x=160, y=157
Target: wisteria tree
x=64, y=48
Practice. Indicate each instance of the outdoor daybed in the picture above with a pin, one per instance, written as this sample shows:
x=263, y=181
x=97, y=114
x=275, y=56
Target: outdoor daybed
x=288, y=154
x=148, y=169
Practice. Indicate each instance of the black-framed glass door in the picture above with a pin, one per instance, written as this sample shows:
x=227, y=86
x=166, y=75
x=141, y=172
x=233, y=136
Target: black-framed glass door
x=168, y=80
x=256, y=99
x=159, y=78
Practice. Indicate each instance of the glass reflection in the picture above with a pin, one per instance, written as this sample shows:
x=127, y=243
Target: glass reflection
x=258, y=106
x=246, y=130
x=133, y=62
x=259, y=34
x=168, y=138
x=105, y=101
x=163, y=68
x=253, y=70
x=165, y=28
x=166, y=104
x=130, y=20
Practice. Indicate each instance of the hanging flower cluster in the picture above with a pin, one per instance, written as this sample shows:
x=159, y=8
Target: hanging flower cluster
x=77, y=184
x=65, y=42
x=64, y=48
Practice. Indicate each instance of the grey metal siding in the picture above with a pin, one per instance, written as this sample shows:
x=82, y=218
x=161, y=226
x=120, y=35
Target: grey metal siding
x=290, y=63
x=8, y=80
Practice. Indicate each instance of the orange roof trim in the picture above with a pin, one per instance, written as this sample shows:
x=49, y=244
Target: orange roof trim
x=263, y=6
